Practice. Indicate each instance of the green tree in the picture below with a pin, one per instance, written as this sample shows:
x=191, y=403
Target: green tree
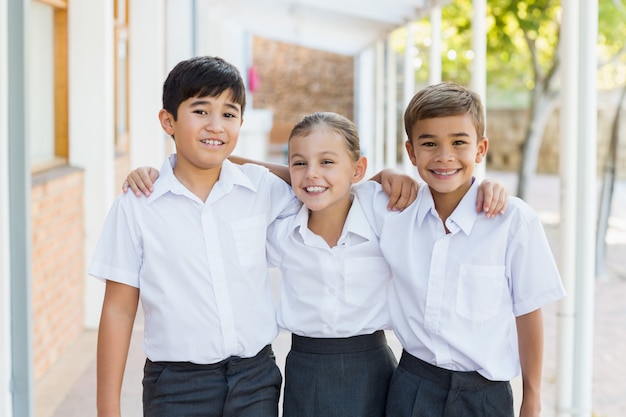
x=522, y=58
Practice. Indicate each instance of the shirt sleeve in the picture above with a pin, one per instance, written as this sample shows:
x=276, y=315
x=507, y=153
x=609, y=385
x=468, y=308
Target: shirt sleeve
x=374, y=203
x=284, y=202
x=274, y=254
x=535, y=278
x=118, y=254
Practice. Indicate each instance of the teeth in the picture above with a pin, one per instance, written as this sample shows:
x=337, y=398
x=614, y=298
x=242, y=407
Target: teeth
x=445, y=173
x=212, y=142
x=315, y=189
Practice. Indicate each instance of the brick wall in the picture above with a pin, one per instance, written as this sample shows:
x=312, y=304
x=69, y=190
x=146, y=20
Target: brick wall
x=58, y=270
x=296, y=81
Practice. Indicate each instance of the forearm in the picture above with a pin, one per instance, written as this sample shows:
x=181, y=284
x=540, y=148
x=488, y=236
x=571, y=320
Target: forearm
x=114, y=336
x=280, y=170
x=530, y=341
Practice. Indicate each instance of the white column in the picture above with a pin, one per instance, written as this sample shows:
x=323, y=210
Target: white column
x=378, y=157
x=567, y=239
x=219, y=33
x=364, y=104
x=586, y=203
x=434, y=73
x=479, y=63
x=409, y=89
x=6, y=364
x=180, y=31
x=91, y=124
x=391, y=126
x=147, y=72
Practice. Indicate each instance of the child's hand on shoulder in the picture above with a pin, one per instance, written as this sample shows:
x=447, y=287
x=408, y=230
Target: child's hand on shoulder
x=492, y=198
x=401, y=188
x=140, y=181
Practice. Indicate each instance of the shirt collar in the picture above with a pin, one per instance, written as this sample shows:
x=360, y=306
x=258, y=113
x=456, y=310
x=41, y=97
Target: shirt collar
x=356, y=223
x=463, y=216
x=230, y=175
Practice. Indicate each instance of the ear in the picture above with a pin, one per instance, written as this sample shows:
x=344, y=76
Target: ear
x=167, y=121
x=359, y=170
x=481, y=149
x=411, y=151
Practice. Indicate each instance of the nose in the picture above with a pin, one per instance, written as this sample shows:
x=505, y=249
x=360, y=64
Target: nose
x=444, y=153
x=311, y=171
x=214, y=123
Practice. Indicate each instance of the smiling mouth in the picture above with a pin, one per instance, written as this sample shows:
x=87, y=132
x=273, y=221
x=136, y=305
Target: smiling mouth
x=445, y=173
x=315, y=189
x=212, y=142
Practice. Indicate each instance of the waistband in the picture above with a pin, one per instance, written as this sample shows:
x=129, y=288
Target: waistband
x=352, y=344
x=263, y=353
x=446, y=377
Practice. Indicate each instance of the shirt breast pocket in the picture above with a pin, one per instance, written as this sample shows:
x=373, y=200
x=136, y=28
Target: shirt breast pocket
x=366, y=281
x=479, y=294
x=249, y=235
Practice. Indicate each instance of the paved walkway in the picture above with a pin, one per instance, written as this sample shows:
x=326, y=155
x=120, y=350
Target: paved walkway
x=68, y=389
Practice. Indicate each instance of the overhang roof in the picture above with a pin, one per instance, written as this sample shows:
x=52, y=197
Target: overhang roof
x=341, y=26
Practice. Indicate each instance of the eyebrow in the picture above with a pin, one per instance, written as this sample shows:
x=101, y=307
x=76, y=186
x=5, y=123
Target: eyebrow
x=454, y=135
x=202, y=102
x=325, y=153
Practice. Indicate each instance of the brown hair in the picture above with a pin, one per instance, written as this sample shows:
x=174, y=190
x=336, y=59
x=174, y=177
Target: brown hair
x=442, y=100
x=334, y=122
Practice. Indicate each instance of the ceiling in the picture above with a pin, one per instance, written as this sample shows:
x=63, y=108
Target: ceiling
x=340, y=26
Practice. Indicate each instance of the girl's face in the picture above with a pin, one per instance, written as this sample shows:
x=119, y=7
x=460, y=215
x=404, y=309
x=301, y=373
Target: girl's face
x=323, y=170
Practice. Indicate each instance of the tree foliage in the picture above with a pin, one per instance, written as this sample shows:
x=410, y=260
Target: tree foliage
x=522, y=58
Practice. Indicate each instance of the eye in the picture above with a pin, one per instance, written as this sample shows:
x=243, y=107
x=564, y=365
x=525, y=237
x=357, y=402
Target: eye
x=327, y=162
x=201, y=112
x=298, y=163
x=229, y=115
x=459, y=142
x=428, y=144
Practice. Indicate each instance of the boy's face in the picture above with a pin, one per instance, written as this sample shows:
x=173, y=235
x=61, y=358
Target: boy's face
x=206, y=131
x=322, y=170
x=444, y=150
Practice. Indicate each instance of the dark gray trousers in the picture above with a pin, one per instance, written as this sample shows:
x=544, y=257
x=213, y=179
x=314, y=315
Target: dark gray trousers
x=419, y=389
x=234, y=387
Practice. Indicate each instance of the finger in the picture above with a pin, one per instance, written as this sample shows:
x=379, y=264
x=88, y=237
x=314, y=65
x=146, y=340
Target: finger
x=125, y=186
x=479, y=200
x=503, y=203
x=144, y=176
x=394, y=196
x=133, y=186
x=138, y=185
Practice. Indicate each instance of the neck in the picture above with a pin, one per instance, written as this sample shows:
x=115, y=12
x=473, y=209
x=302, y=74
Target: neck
x=329, y=223
x=199, y=182
x=446, y=203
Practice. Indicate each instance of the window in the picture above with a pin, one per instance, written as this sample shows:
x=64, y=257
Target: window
x=47, y=116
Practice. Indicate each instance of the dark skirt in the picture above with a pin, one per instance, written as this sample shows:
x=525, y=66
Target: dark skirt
x=419, y=389
x=343, y=377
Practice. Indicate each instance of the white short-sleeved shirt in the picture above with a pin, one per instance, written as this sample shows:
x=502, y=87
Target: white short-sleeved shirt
x=330, y=292
x=200, y=266
x=455, y=296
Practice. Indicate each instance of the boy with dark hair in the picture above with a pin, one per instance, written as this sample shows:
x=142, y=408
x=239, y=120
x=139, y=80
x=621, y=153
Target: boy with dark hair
x=194, y=253
x=467, y=290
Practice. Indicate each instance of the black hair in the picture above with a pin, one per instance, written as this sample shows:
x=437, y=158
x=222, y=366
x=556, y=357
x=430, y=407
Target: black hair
x=203, y=76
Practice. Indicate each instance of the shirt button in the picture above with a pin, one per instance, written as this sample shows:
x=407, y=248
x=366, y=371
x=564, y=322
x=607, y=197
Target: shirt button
x=331, y=290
